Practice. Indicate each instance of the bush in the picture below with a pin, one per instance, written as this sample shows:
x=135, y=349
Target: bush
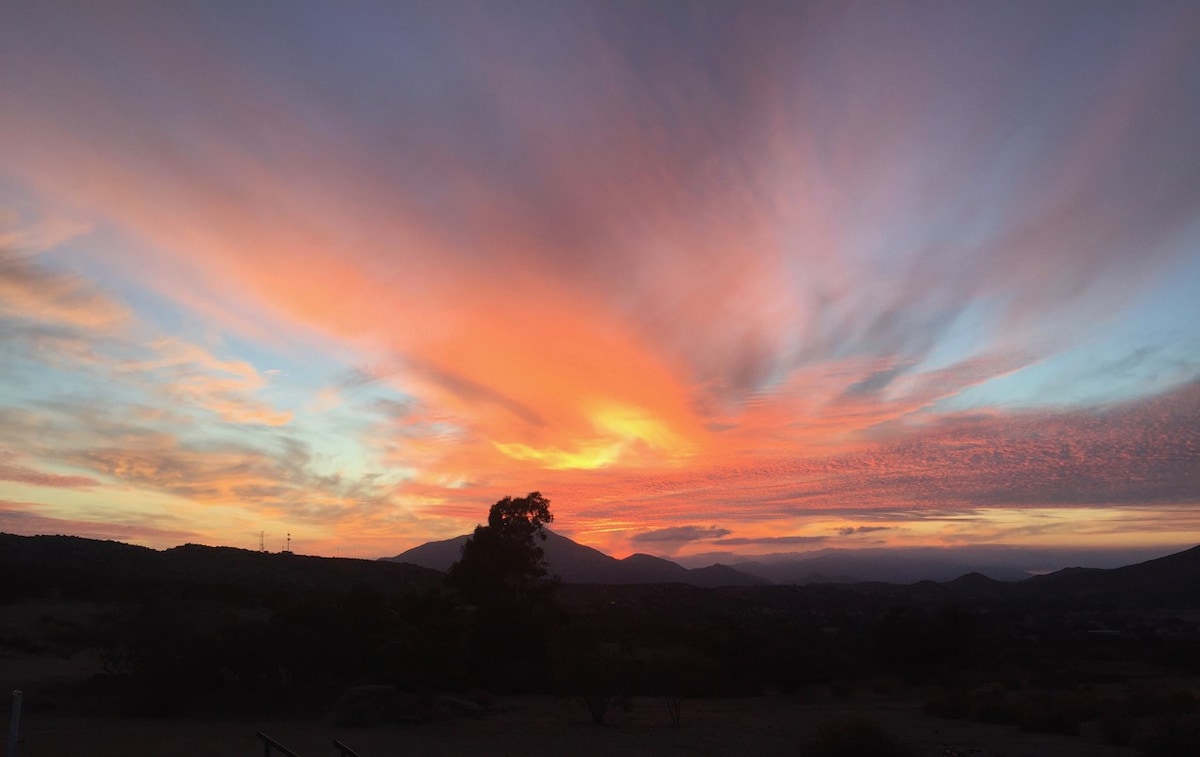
x=855, y=737
x=991, y=707
x=949, y=704
x=1117, y=730
x=1051, y=714
x=1171, y=736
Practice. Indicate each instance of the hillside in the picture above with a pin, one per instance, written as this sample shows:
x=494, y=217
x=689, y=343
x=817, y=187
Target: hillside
x=202, y=630
x=73, y=566
x=579, y=564
x=891, y=566
x=1170, y=581
x=77, y=567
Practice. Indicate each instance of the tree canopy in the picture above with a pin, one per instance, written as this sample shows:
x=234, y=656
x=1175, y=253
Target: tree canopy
x=502, y=576
x=503, y=561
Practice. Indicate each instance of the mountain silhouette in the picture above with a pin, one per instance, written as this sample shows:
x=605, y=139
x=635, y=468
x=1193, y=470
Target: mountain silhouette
x=579, y=564
x=1169, y=581
x=901, y=566
x=32, y=565
x=78, y=567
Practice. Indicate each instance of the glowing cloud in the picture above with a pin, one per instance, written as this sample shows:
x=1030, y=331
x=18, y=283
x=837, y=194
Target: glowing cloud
x=753, y=266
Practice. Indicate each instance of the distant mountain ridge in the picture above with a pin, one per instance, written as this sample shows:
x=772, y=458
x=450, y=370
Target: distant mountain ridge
x=1173, y=580
x=88, y=568
x=30, y=564
x=849, y=566
x=1166, y=579
x=902, y=565
x=579, y=564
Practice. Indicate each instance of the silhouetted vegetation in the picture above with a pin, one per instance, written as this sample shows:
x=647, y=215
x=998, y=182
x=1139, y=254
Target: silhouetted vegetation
x=196, y=629
x=501, y=577
x=855, y=737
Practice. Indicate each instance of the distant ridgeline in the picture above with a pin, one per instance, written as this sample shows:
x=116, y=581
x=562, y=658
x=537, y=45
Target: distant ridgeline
x=205, y=627
x=575, y=563
x=73, y=567
x=67, y=566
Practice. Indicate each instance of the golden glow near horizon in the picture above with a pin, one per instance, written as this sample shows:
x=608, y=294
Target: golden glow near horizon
x=724, y=285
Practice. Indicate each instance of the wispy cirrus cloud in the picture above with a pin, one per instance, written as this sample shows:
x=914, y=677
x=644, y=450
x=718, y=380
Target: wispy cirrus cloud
x=681, y=534
x=753, y=261
x=31, y=518
x=10, y=470
x=855, y=530
x=17, y=235
x=1139, y=453
x=35, y=296
x=771, y=541
x=66, y=322
x=191, y=375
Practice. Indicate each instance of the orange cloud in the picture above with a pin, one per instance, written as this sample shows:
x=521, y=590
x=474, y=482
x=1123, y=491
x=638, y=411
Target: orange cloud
x=31, y=293
x=21, y=474
x=746, y=287
x=194, y=376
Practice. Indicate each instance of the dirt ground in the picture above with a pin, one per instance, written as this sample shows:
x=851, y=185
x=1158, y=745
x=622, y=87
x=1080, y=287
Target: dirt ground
x=552, y=726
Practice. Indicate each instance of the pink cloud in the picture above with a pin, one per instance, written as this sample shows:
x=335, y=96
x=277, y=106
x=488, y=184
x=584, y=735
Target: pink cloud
x=10, y=471
x=648, y=285
x=27, y=519
x=30, y=293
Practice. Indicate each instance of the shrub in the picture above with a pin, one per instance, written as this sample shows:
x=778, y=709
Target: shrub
x=991, y=707
x=855, y=737
x=1170, y=736
x=1117, y=730
x=949, y=704
x=1050, y=714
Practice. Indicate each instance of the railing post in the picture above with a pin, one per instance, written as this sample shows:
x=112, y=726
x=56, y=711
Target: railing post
x=270, y=743
x=345, y=750
x=14, y=724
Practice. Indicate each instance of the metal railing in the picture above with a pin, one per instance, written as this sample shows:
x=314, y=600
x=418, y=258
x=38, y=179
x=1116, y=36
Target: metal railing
x=345, y=750
x=14, y=726
x=270, y=743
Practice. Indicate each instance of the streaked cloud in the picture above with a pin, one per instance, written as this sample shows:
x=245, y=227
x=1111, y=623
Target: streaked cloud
x=42, y=234
x=854, y=530
x=23, y=518
x=31, y=294
x=189, y=374
x=746, y=264
x=681, y=534
x=21, y=474
x=771, y=541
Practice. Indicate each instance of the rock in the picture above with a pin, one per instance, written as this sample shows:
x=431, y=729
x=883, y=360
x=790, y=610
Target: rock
x=368, y=706
x=463, y=707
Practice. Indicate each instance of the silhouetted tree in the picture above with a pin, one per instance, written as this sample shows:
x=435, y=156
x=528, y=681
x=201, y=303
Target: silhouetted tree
x=502, y=575
x=503, y=558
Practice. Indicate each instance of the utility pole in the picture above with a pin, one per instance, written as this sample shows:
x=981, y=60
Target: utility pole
x=14, y=725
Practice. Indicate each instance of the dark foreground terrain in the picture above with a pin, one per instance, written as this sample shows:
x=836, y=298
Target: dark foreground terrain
x=121, y=650
x=538, y=725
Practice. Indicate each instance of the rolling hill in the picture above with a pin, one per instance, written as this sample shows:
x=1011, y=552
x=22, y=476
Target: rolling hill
x=78, y=567
x=579, y=564
x=33, y=565
x=1170, y=581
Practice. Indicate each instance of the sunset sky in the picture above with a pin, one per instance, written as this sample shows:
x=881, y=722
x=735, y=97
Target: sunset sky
x=712, y=277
